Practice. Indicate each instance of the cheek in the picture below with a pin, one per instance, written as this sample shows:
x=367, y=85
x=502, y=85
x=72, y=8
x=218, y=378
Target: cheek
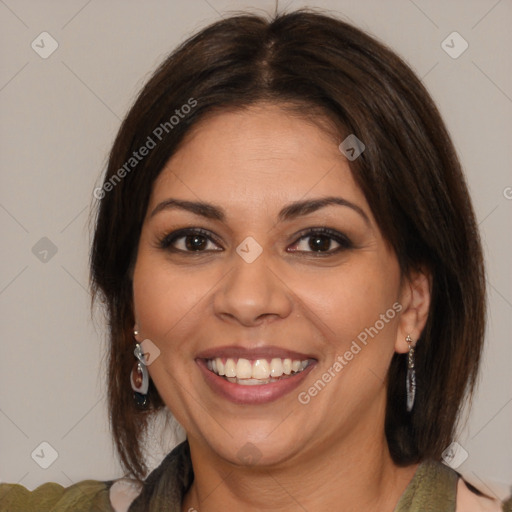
x=351, y=299
x=357, y=313
x=170, y=301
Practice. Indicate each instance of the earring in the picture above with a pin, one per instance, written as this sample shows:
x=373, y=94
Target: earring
x=410, y=383
x=139, y=377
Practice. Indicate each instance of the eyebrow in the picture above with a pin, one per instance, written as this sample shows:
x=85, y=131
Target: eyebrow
x=289, y=212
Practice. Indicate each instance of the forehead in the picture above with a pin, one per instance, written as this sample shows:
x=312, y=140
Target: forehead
x=262, y=155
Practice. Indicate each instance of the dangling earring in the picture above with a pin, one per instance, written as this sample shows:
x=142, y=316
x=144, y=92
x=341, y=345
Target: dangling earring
x=410, y=383
x=139, y=377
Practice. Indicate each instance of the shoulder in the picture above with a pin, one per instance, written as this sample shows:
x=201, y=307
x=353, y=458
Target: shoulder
x=123, y=492
x=437, y=487
x=80, y=497
x=470, y=499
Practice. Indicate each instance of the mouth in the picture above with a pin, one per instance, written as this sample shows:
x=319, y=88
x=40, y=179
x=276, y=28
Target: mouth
x=253, y=376
x=256, y=372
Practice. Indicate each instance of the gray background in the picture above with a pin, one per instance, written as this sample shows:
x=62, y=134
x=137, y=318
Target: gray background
x=59, y=118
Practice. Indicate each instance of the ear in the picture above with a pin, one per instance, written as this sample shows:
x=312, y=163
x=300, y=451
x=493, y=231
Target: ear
x=415, y=300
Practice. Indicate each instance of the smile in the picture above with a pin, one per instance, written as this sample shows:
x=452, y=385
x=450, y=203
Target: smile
x=254, y=381
x=257, y=371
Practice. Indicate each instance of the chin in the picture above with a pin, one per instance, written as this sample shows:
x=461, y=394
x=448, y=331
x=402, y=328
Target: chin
x=250, y=449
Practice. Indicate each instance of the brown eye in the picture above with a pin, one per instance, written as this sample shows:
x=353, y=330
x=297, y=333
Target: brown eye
x=321, y=241
x=195, y=242
x=316, y=243
x=189, y=240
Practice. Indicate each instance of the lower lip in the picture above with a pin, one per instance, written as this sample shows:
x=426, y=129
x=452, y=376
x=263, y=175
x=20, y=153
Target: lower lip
x=256, y=394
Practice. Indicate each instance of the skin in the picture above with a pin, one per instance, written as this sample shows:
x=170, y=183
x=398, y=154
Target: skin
x=328, y=454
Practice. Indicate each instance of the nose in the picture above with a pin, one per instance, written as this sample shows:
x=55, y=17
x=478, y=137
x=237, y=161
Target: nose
x=252, y=293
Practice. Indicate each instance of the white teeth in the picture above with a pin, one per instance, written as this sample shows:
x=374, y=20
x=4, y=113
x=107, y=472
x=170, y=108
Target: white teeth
x=251, y=382
x=243, y=369
x=259, y=371
x=230, y=368
x=276, y=368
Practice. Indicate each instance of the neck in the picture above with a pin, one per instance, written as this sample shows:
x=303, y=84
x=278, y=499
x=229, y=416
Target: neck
x=350, y=473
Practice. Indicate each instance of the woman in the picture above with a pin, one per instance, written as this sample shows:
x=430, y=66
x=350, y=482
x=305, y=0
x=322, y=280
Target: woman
x=291, y=265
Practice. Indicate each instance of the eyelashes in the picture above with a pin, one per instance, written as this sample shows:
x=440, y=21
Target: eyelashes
x=317, y=241
x=195, y=240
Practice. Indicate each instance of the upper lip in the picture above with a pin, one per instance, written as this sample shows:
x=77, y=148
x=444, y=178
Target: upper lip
x=263, y=352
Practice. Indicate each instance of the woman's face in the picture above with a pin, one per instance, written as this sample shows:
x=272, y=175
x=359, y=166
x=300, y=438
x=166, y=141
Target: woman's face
x=298, y=301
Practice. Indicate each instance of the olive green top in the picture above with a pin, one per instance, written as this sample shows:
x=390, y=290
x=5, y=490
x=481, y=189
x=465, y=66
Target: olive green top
x=433, y=489
x=85, y=496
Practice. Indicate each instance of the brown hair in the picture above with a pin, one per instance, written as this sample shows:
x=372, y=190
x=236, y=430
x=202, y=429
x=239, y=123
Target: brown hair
x=409, y=173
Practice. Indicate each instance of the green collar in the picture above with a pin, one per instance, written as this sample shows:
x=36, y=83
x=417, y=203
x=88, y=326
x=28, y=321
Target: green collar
x=432, y=489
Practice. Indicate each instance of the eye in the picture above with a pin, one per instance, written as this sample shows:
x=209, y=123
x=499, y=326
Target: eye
x=189, y=240
x=321, y=241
